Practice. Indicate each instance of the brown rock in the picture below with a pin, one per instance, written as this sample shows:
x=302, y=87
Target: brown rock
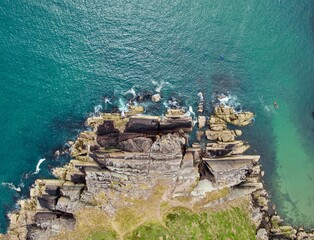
x=201, y=121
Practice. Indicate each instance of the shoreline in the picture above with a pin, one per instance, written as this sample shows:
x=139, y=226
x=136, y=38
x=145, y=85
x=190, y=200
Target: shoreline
x=125, y=151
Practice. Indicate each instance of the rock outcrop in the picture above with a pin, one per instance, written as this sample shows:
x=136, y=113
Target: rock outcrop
x=229, y=115
x=126, y=155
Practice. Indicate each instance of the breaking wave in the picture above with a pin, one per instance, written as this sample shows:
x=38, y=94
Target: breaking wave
x=38, y=165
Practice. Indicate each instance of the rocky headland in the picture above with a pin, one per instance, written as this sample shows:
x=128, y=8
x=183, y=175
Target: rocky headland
x=149, y=164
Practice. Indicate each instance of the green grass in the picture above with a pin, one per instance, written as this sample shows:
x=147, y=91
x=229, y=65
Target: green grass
x=102, y=235
x=160, y=219
x=185, y=225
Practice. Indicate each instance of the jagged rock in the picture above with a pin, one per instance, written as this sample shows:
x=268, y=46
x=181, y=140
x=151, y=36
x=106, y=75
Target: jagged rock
x=65, y=205
x=226, y=148
x=140, y=144
x=108, y=140
x=135, y=110
x=201, y=121
x=72, y=190
x=229, y=115
x=199, y=135
x=303, y=235
x=200, y=107
x=170, y=144
x=188, y=160
x=96, y=180
x=175, y=113
x=49, y=224
x=106, y=127
x=228, y=171
x=59, y=172
x=217, y=124
x=83, y=143
x=48, y=202
x=262, y=234
x=156, y=97
x=224, y=135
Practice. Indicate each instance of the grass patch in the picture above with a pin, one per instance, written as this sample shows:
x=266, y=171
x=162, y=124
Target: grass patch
x=153, y=218
x=182, y=224
x=102, y=235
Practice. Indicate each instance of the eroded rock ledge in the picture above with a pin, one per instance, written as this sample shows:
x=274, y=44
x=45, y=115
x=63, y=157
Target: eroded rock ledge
x=125, y=157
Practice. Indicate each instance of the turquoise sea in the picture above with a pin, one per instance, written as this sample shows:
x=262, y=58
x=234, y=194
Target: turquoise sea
x=60, y=58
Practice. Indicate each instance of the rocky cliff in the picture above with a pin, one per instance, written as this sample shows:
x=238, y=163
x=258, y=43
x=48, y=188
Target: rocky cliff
x=128, y=157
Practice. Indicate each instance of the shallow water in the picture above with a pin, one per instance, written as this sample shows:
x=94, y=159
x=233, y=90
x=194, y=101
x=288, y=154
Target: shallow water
x=60, y=58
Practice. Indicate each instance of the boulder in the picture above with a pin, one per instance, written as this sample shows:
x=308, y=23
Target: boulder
x=261, y=234
x=201, y=121
x=156, y=97
x=224, y=135
x=229, y=115
x=217, y=124
x=199, y=135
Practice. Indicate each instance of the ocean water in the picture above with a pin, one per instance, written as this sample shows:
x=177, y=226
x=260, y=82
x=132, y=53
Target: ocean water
x=59, y=59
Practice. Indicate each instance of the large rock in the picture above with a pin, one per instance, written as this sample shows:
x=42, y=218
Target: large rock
x=106, y=128
x=229, y=115
x=170, y=144
x=156, y=97
x=219, y=149
x=217, y=124
x=201, y=121
x=72, y=190
x=140, y=144
x=142, y=125
x=108, y=140
x=223, y=136
x=175, y=124
x=261, y=234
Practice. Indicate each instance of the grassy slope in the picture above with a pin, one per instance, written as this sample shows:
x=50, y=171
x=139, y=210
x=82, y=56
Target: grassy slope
x=157, y=218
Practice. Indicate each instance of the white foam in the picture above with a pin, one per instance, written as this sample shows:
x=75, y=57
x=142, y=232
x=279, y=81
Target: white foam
x=158, y=85
x=190, y=112
x=166, y=105
x=123, y=106
x=11, y=186
x=107, y=100
x=38, y=165
x=131, y=91
x=229, y=100
x=201, y=96
x=97, y=110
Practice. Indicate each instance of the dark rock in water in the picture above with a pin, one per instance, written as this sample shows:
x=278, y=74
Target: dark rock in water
x=106, y=128
x=144, y=96
x=142, y=125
